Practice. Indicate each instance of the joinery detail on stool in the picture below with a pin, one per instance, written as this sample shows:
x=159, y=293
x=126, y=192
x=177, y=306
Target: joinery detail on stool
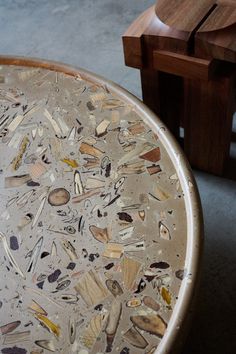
x=189, y=46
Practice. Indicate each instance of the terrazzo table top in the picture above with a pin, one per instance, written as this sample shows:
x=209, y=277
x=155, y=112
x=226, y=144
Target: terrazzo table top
x=100, y=219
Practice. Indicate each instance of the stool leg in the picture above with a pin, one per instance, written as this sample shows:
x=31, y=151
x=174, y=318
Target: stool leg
x=163, y=94
x=209, y=108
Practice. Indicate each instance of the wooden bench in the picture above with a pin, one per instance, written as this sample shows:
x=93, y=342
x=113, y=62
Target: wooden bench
x=186, y=53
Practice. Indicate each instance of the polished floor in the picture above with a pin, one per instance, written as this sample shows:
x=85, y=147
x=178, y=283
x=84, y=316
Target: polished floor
x=87, y=33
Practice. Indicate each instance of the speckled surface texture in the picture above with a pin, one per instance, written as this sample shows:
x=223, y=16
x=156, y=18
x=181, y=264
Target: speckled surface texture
x=94, y=233
x=87, y=33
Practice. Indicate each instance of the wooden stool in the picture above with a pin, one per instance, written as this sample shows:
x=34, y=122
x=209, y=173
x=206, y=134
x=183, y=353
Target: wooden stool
x=186, y=53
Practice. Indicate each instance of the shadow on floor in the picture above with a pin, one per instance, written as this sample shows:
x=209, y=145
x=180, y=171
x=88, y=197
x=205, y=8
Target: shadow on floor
x=213, y=328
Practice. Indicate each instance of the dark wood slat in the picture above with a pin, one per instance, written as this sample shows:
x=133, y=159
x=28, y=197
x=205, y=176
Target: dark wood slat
x=163, y=93
x=183, y=65
x=209, y=108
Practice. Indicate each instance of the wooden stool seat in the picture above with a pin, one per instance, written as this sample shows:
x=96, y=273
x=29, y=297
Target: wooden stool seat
x=186, y=52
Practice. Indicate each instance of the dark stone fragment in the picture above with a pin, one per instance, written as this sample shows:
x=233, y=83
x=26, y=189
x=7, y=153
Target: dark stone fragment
x=90, y=106
x=0, y=304
x=99, y=213
x=71, y=266
x=180, y=274
x=44, y=254
x=109, y=266
x=125, y=350
x=160, y=265
x=30, y=323
x=125, y=217
x=33, y=184
x=14, y=350
x=54, y=276
x=98, y=307
x=17, y=104
x=113, y=201
x=108, y=170
x=14, y=245
x=79, y=130
x=149, y=278
x=40, y=285
x=141, y=286
x=93, y=256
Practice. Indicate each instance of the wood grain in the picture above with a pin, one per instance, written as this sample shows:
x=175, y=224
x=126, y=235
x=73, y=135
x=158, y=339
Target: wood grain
x=183, y=15
x=159, y=89
x=209, y=108
x=91, y=288
x=179, y=45
x=223, y=16
x=176, y=64
x=217, y=44
x=148, y=33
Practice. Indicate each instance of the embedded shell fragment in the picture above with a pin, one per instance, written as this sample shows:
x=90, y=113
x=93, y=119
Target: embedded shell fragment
x=153, y=324
x=58, y=197
x=151, y=303
x=91, y=218
x=91, y=288
x=134, y=337
x=101, y=235
x=93, y=330
x=130, y=268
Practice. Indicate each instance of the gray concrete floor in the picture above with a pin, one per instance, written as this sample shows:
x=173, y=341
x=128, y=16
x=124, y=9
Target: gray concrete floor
x=87, y=33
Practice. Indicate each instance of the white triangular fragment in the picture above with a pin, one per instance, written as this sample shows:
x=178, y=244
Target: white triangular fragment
x=52, y=177
x=63, y=125
x=102, y=127
x=71, y=136
x=40, y=131
x=24, y=198
x=79, y=189
x=40, y=209
x=9, y=255
x=93, y=183
x=15, y=123
x=53, y=122
x=174, y=176
x=126, y=233
x=54, y=250
x=33, y=132
x=164, y=231
x=135, y=247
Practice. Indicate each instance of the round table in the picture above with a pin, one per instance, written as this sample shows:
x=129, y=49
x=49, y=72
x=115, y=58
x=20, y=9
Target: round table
x=100, y=217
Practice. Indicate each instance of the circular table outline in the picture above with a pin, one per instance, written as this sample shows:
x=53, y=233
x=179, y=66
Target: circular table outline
x=183, y=309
